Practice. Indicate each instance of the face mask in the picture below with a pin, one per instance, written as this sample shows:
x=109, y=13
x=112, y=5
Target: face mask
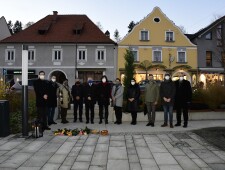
x=42, y=77
x=117, y=82
x=53, y=80
x=103, y=80
x=167, y=77
x=181, y=78
x=90, y=84
x=132, y=83
x=90, y=81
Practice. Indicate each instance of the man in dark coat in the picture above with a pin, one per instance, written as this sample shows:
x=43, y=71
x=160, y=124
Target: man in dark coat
x=77, y=93
x=41, y=91
x=182, y=99
x=89, y=99
x=52, y=99
x=133, y=94
x=104, y=95
x=167, y=94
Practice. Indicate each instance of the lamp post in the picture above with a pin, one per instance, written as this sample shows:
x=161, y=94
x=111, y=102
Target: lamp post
x=25, y=90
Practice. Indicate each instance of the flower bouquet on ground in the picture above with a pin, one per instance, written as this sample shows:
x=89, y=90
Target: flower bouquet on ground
x=74, y=132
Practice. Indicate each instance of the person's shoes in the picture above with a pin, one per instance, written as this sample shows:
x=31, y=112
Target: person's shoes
x=164, y=125
x=148, y=124
x=49, y=123
x=87, y=122
x=47, y=128
x=75, y=120
x=177, y=124
x=185, y=126
x=115, y=122
x=100, y=122
x=81, y=120
x=152, y=125
x=119, y=123
x=171, y=125
x=54, y=123
x=133, y=123
x=106, y=122
x=92, y=122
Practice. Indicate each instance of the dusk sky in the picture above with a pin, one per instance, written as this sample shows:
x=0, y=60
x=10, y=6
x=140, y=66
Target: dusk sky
x=117, y=14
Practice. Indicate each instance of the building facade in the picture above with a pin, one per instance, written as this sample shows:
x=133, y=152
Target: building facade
x=211, y=52
x=4, y=30
x=158, y=40
x=67, y=46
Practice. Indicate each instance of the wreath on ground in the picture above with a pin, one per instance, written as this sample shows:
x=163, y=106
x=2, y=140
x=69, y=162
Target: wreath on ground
x=75, y=132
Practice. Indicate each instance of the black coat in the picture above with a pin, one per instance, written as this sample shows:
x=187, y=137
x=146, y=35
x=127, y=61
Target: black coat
x=167, y=90
x=77, y=90
x=183, y=92
x=133, y=92
x=103, y=93
x=52, y=94
x=90, y=91
x=41, y=89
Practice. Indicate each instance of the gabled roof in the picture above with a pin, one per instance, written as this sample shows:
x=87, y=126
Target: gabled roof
x=61, y=29
x=204, y=30
x=4, y=30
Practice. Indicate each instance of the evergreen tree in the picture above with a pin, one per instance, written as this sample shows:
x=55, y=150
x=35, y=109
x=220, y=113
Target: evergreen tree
x=131, y=26
x=129, y=69
x=116, y=35
x=17, y=27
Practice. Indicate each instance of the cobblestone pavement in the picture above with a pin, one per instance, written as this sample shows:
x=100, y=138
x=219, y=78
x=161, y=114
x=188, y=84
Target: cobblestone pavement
x=162, y=149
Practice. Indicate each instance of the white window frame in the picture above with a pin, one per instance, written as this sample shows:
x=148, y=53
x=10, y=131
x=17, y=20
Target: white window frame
x=140, y=36
x=185, y=59
x=85, y=57
x=137, y=55
x=169, y=40
x=6, y=55
x=96, y=55
x=53, y=54
x=154, y=55
x=34, y=52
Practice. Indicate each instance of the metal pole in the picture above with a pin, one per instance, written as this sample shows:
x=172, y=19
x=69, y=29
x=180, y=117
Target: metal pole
x=25, y=90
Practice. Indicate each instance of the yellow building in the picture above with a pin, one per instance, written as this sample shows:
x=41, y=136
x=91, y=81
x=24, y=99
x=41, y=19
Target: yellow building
x=157, y=39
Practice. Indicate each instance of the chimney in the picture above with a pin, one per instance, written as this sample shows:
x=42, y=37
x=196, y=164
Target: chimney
x=107, y=33
x=55, y=13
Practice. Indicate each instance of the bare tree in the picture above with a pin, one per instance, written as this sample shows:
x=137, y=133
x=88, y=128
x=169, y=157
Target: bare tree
x=117, y=35
x=29, y=24
x=99, y=25
x=183, y=30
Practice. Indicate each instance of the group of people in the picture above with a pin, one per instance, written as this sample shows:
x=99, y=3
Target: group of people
x=50, y=94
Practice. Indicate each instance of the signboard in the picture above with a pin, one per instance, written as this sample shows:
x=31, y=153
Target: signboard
x=19, y=72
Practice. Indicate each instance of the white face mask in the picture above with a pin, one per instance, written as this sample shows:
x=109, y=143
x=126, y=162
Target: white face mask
x=54, y=80
x=103, y=80
x=167, y=77
x=181, y=78
x=42, y=77
x=133, y=83
x=90, y=84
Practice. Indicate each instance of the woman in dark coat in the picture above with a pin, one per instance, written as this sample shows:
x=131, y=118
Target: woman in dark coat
x=133, y=94
x=104, y=95
x=167, y=93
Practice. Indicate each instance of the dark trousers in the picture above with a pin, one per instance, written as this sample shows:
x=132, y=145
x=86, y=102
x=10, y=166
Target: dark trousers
x=179, y=108
x=89, y=107
x=134, y=117
x=151, y=112
x=106, y=108
x=118, y=113
x=51, y=113
x=168, y=110
x=42, y=115
x=63, y=114
x=76, y=106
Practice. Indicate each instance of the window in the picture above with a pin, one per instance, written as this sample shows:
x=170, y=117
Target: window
x=157, y=19
x=157, y=56
x=10, y=55
x=219, y=35
x=181, y=57
x=209, y=58
x=82, y=54
x=101, y=55
x=135, y=54
x=208, y=36
x=169, y=36
x=144, y=36
x=57, y=55
x=31, y=55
